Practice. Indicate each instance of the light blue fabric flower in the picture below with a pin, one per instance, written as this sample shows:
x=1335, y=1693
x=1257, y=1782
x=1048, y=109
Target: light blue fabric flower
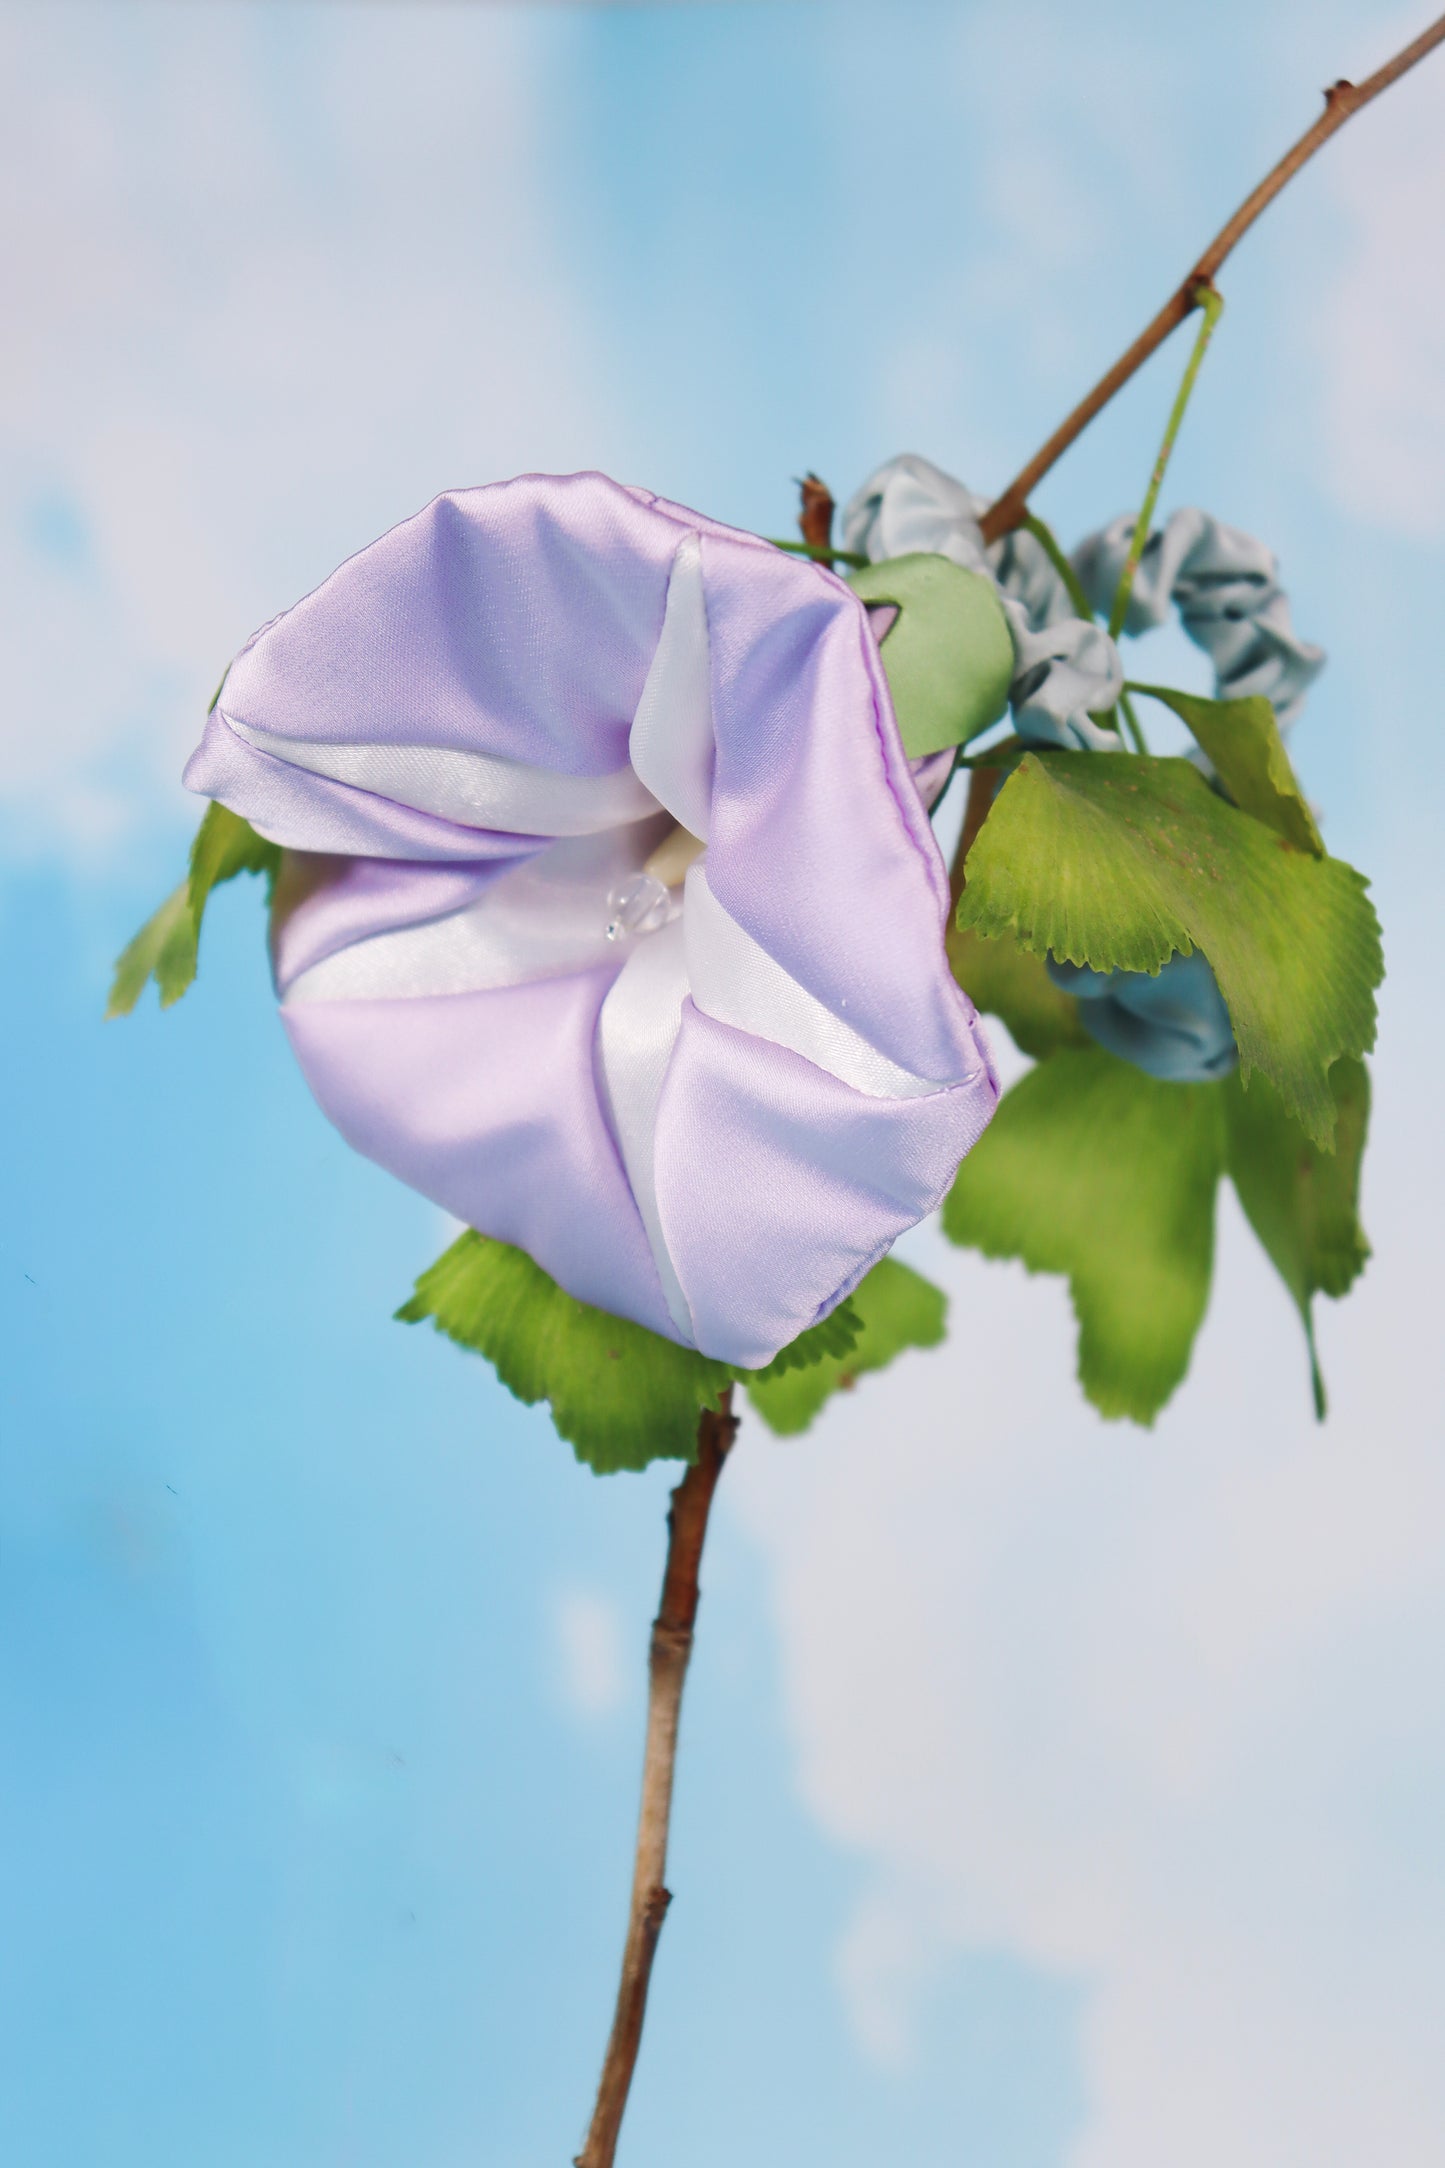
x=1173, y=1026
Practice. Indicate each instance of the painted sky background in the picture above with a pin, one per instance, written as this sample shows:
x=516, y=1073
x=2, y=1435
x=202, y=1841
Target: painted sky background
x=1054, y=1795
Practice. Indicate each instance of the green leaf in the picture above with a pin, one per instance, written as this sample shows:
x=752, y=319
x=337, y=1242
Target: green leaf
x=167, y=946
x=1092, y=1169
x=897, y=1309
x=1302, y=1203
x=1120, y=861
x=948, y=657
x=835, y=1335
x=623, y=1396
x=620, y=1395
x=163, y=950
x=1242, y=740
x=225, y=845
x=1006, y=980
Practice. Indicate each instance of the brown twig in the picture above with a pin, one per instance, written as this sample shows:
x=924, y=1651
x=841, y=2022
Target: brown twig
x=982, y=784
x=815, y=519
x=1341, y=100
x=667, y=1669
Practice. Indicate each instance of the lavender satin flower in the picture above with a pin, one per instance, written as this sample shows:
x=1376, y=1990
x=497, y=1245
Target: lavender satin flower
x=610, y=916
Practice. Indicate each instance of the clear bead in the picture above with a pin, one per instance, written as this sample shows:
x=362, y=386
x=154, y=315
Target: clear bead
x=638, y=904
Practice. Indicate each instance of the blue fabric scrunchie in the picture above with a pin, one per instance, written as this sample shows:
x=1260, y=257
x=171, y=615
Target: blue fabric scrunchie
x=1225, y=586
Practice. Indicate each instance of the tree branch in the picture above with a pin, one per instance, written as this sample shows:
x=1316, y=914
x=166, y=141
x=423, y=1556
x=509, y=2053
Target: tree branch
x=670, y=1649
x=1341, y=100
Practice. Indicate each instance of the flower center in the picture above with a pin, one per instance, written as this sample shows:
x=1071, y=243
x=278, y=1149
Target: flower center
x=642, y=902
x=638, y=904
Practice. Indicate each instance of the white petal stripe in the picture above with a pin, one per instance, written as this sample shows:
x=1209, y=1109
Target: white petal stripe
x=671, y=743
x=737, y=982
x=541, y=921
x=637, y=1029
x=479, y=790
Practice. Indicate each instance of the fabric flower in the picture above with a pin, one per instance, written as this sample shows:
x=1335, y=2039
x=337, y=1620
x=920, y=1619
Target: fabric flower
x=610, y=917
x=1065, y=671
x=1171, y=1023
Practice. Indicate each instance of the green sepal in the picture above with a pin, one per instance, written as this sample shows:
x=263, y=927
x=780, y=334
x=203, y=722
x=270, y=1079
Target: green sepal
x=1243, y=742
x=163, y=950
x=1122, y=861
x=896, y=1308
x=167, y=947
x=948, y=657
x=1092, y=1169
x=833, y=1336
x=1302, y=1203
x=1004, y=979
x=225, y=845
x=621, y=1396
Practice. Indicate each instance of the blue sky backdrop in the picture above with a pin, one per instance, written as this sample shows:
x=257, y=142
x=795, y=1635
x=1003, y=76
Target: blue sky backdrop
x=1054, y=1795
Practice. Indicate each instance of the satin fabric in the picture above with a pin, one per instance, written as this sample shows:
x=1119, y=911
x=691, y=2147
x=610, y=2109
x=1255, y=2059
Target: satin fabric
x=471, y=737
x=1171, y=1023
x=1225, y=586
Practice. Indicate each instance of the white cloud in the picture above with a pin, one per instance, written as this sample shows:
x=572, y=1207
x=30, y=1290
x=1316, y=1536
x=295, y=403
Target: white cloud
x=272, y=279
x=1159, y=1712
x=588, y=1638
x=1043, y=121
x=1377, y=337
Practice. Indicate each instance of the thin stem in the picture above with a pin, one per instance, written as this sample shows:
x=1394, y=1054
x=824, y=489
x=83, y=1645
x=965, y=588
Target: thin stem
x=1132, y=723
x=1212, y=303
x=1341, y=100
x=1044, y=534
x=670, y=1648
x=820, y=556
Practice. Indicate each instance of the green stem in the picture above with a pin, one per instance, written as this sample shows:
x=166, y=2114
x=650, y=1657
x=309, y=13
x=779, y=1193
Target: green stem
x=1044, y=535
x=1132, y=723
x=825, y=557
x=1211, y=301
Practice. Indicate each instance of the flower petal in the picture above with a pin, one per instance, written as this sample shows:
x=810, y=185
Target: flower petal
x=557, y=652
x=819, y=848
x=778, y=1186
x=480, y=790
x=542, y=917
x=487, y=1103
x=671, y=739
